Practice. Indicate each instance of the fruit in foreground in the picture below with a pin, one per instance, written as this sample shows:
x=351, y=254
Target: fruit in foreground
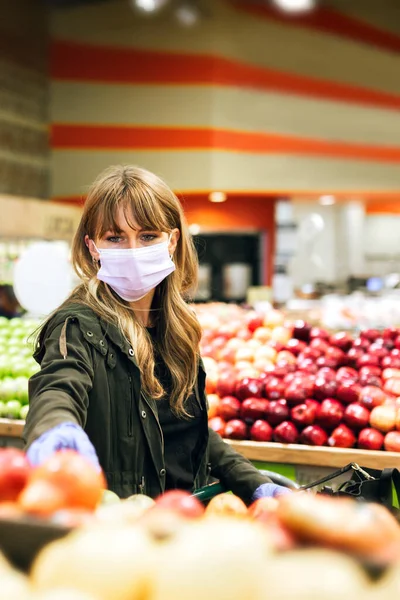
x=226, y=504
x=65, y=480
x=181, y=502
x=14, y=473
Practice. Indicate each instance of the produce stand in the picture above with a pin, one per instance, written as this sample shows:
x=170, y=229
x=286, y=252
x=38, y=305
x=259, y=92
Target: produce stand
x=299, y=462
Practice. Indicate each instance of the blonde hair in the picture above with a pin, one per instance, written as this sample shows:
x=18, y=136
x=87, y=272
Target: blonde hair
x=145, y=197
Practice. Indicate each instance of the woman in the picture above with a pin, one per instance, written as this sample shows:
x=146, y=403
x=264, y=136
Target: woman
x=121, y=380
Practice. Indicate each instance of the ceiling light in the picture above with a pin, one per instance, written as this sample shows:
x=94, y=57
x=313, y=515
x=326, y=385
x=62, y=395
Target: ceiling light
x=194, y=229
x=149, y=5
x=217, y=197
x=187, y=14
x=295, y=5
x=327, y=200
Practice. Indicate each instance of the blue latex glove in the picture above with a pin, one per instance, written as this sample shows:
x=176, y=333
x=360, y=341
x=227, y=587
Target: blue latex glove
x=61, y=437
x=270, y=490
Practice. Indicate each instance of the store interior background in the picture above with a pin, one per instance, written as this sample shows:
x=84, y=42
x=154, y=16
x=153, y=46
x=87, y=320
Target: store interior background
x=291, y=120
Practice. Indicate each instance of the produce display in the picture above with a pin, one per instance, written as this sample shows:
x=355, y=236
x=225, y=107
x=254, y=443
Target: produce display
x=295, y=547
x=16, y=366
x=272, y=380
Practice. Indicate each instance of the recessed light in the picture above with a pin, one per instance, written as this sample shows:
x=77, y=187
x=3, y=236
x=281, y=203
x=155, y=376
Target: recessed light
x=295, y=5
x=217, y=197
x=327, y=200
x=149, y=5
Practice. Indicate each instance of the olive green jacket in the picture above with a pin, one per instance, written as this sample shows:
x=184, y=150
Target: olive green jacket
x=89, y=376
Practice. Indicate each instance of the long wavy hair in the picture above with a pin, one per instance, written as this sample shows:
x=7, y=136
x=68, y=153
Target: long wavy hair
x=151, y=203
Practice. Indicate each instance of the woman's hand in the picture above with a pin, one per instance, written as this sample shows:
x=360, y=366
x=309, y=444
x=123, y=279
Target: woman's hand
x=270, y=490
x=64, y=436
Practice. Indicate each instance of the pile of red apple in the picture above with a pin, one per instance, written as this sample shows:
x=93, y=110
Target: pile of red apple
x=270, y=380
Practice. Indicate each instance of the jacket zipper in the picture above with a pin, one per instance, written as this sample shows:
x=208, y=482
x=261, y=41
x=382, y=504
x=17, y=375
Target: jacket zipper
x=130, y=409
x=142, y=486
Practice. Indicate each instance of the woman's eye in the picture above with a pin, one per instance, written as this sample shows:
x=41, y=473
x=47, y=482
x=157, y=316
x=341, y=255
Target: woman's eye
x=148, y=237
x=114, y=239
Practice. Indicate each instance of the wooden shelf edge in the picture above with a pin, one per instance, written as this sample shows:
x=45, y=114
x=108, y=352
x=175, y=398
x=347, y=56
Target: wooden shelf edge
x=11, y=428
x=297, y=454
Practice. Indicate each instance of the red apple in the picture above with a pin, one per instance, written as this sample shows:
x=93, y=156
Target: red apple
x=371, y=396
x=217, y=424
x=307, y=365
x=342, y=437
x=277, y=411
x=368, y=360
x=326, y=361
x=326, y=373
x=376, y=349
x=249, y=388
x=370, y=370
x=356, y=416
x=301, y=330
x=236, y=430
x=348, y=392
x=314, y=435
x=229, y=408
x=295, y=346
x=370, y=379
x=261, y=431
x=337, y=355
x=278, y=346
x=313, y=403
x=342, y=340
x=274, y=388
x=283, y=367
x=346, y=374
x=181, y=502
x=320, y=345
x=285, y=433
x=295, y=394
x=391, y=362
x=397, y=342
x=390, y=333
x=254, y=320
x=324, y=388
x=310, y=352
x=253, y=409
x=361, y=343
x=370, y=439
x=226, y=385
x=354, y=355
x=14, y=472
x=370, y=334
x=392, y=441
x=303, y=415
x=317, y=332
x=395, y=352
x=330, y=413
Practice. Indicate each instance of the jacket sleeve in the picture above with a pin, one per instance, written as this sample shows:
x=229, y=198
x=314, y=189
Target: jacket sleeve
x=58, y=393
x=234, y=471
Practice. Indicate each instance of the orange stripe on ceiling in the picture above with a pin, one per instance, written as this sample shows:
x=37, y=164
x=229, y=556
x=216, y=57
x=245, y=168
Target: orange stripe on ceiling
x=382, y=207
x=390, y=201
x=328, y=20
x=101, y=137
x=105, y=64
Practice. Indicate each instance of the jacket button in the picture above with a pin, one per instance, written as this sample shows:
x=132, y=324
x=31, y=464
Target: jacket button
x=89, y=333
x=162, y=472
x=102, y=343
x=131, y=352
x=144, y=414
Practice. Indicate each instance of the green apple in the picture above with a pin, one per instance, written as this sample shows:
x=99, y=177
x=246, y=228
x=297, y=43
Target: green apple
x=24, y=412
x=13, y=409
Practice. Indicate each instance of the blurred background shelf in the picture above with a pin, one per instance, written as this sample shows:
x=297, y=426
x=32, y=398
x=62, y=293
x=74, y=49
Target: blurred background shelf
x=296, y=454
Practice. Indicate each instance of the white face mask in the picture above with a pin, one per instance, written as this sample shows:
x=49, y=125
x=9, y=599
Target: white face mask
x=133, y=272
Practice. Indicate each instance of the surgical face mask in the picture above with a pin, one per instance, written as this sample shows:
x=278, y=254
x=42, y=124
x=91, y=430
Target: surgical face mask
x=133, y=272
